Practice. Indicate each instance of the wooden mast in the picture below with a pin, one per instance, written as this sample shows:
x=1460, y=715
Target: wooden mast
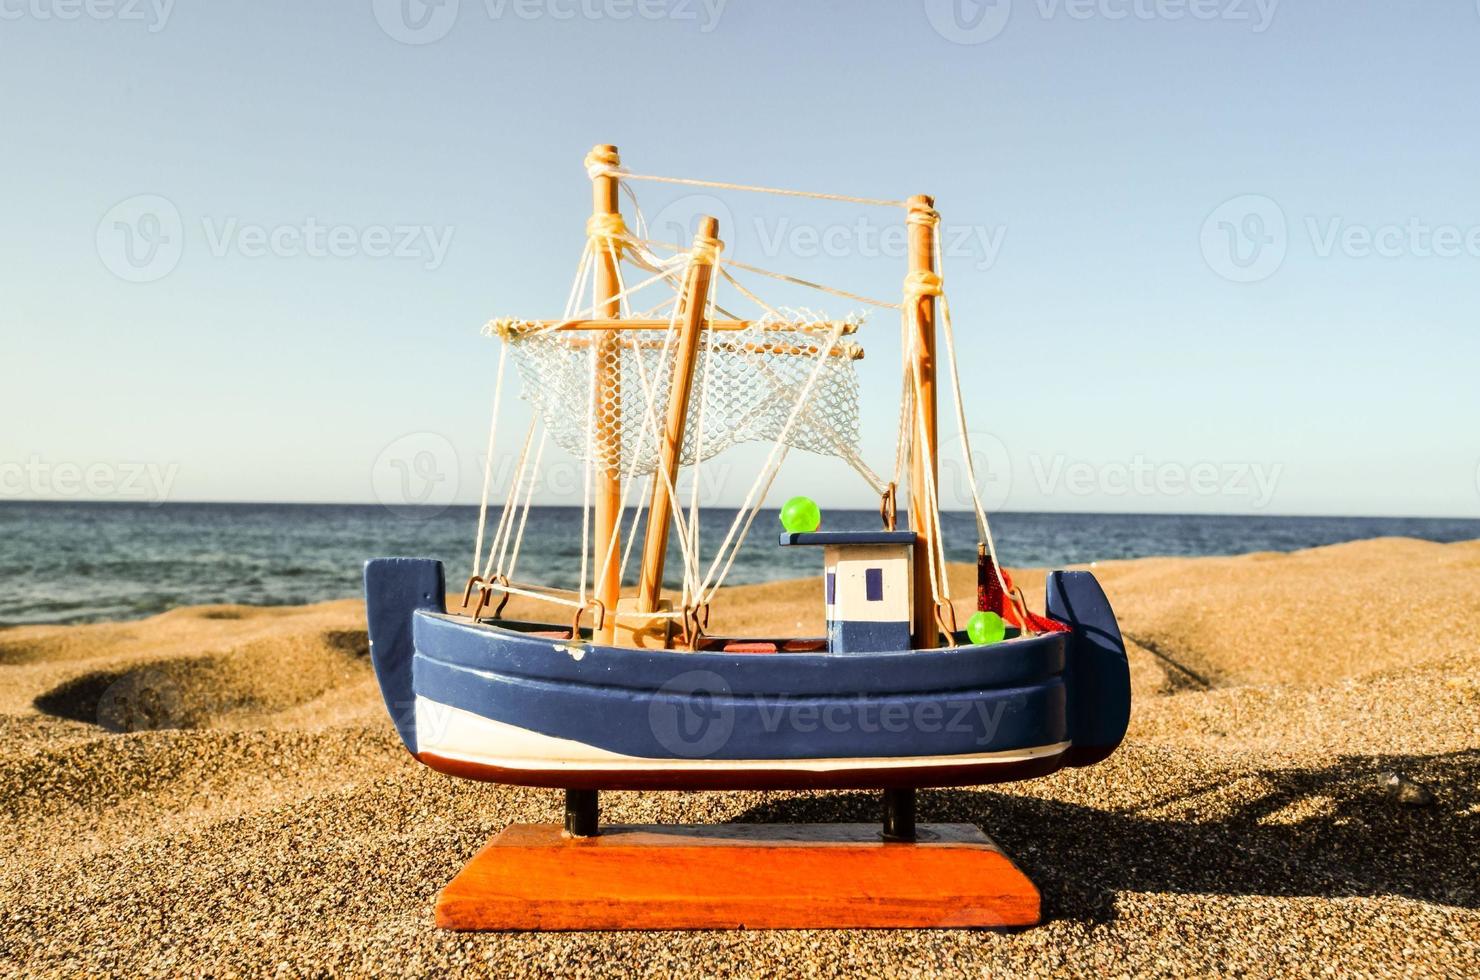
x=923, y=459
x=686, y=356
x=606, y=219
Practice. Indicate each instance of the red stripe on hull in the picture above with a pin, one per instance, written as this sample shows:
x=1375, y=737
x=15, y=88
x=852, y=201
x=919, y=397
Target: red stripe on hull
x=894, y=777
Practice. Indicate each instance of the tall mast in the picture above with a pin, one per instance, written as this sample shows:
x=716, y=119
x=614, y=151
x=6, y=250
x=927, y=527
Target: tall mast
x=921, y=288
x=606, y=222
x=686, y=355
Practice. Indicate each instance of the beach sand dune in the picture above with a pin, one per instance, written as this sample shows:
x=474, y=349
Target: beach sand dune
x=217, y=789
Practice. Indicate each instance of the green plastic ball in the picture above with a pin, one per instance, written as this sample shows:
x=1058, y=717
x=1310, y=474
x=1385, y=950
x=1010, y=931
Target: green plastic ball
x=985, y=627
x=800, y=515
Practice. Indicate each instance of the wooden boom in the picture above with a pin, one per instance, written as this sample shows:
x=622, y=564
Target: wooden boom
x=508, y=327
x=852, y=352
x=686, y=355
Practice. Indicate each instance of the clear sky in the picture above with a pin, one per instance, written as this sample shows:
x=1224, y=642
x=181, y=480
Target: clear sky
x=1204, y=255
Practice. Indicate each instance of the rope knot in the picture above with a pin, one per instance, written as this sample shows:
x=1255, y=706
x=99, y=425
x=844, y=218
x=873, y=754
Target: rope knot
x=923, y=216
x=603, y=162
x=922, y=283
x=607, y=227
x=706, y=250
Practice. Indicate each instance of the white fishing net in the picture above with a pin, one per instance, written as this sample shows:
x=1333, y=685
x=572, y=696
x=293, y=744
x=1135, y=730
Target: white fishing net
x=746, y=385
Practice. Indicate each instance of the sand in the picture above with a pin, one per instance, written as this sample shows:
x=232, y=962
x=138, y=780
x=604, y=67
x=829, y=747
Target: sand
x=265, y=820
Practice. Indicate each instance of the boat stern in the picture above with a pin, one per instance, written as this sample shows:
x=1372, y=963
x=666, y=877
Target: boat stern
x=1096, y=672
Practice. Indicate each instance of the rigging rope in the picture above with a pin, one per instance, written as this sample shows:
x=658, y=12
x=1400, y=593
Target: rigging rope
x=691, y=574
x=590, y=467
x=506, y=518
x=528, y=500
x=783, y=277
x=498, y=393
x=609, y=233
x=773, y=464
x=604, y=165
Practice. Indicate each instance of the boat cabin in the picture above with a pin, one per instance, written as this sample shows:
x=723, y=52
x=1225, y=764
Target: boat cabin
x=867, y=587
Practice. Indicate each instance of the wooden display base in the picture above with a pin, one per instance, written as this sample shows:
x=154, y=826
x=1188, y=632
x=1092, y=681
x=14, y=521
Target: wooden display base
x=737, y=876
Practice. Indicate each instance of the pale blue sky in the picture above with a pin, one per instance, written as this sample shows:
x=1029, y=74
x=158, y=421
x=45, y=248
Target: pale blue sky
x=1080, y=155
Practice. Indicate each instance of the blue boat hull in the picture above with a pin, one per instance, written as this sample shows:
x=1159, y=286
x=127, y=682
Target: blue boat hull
x=508, y=704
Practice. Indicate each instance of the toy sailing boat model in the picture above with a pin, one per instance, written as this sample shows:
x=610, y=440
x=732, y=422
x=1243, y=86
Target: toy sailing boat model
x=624, y=690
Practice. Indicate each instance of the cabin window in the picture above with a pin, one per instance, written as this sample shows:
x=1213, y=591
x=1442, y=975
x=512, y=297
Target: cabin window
x=832, y=587
x=873, y=584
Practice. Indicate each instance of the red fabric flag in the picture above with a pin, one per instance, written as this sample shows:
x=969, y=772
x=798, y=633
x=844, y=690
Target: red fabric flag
x=990, y=597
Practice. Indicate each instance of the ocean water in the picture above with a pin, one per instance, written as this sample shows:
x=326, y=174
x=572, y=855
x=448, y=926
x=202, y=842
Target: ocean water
x=82, y=562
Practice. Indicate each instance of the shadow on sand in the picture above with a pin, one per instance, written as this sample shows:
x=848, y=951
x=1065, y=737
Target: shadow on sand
x=1326, y=831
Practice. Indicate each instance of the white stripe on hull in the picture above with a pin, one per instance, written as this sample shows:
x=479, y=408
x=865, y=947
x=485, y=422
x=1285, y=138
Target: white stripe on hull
x=453, y=733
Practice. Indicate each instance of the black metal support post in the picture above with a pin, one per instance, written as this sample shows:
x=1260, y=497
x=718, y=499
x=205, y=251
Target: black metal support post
x=899, y=815
x=580, y=812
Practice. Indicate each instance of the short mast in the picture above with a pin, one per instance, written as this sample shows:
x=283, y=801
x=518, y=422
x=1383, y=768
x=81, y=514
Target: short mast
x=602, y=229
x=686, y=355
x=921, y=287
